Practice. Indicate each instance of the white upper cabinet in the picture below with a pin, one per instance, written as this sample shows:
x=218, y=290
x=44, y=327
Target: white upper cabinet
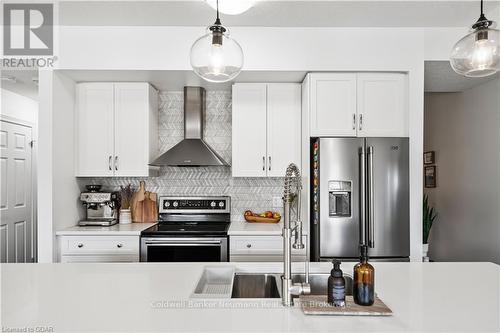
x=117, y=129
x=283, y=127
x=333, y=104
x=266, y=128
x=136, y=112
x=94, y=129
x=382, y=105
x=249, y=152
x=357, y=104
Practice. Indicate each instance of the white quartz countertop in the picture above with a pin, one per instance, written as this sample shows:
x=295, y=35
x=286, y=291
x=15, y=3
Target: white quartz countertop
x=131, y=229
x=155, y=297
x=242, y=228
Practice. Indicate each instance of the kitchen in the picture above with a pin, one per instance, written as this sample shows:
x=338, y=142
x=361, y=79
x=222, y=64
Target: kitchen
x=258, y=124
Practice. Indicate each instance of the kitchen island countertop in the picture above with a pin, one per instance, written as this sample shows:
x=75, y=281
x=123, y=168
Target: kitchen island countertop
x=155, y=297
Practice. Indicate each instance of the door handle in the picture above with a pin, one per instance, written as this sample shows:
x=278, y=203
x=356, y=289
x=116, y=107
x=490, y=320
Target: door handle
x=116, y=163
x=354, y=121
x=109, y=162
x=362, y=195
x=361, y=122
x=263, y=163
x=371, y=220
x=269, y=163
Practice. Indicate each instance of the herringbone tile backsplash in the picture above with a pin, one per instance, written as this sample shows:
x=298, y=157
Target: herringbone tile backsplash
x=246, y=193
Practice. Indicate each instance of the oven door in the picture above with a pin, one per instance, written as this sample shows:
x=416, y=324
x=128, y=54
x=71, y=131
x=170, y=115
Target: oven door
x=182, y=249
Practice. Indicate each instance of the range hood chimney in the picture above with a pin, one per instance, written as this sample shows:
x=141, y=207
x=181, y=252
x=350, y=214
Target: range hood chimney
x=193, y=150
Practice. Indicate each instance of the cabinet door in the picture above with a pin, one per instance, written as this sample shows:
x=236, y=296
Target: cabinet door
x=131, y=129
x=333, y=104
x=94, y=130
x=283, y=127
x=382, y=105
x=249, y=130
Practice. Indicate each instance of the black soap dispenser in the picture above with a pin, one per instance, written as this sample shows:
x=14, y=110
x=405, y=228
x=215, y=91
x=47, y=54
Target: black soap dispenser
x=336, y=286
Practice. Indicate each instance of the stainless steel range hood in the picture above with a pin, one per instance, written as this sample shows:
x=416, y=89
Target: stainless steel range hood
x=193, y=150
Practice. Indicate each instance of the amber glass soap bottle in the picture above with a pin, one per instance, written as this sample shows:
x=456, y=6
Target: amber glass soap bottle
x=364, y=280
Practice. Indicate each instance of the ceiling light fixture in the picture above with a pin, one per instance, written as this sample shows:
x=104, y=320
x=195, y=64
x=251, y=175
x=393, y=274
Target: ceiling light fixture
x=478, y=53
x=216, y=57
x=232, y=7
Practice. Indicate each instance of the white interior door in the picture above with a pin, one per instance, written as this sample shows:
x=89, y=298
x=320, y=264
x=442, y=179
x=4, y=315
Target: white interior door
x=16, y=215
x=131, y=129
x=283, y=127
x=249, y=130
x=94, y=130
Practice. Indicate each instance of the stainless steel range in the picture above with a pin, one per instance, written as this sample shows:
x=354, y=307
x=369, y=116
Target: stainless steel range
x=190, y=229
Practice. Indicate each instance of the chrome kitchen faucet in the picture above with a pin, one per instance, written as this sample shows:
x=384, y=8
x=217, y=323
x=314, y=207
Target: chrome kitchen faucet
x=291, y=197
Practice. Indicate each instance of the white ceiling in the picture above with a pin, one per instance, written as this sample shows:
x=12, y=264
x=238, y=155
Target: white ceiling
x=439, y=77
x=176, y=80
x=24, y=84
x=278, y=13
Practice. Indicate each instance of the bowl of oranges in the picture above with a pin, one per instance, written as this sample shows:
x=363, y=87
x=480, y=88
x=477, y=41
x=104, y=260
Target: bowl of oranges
x=266, y=217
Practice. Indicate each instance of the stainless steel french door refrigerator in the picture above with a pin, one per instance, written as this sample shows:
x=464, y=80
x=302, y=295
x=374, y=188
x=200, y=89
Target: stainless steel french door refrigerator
x=360, y=194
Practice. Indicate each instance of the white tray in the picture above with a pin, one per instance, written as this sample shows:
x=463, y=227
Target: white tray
x=215, y=282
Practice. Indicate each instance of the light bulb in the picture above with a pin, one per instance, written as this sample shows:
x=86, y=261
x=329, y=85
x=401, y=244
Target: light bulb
x=482, y=54
x=216, y=60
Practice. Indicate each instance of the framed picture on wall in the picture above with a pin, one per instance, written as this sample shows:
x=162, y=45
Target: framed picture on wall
x=429, y=157
x=430, y=176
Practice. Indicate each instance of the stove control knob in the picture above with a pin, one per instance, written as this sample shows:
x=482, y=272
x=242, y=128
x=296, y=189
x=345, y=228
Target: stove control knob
x=221, y=204
x=212, y=204
x=167, y=203
x=175, y=204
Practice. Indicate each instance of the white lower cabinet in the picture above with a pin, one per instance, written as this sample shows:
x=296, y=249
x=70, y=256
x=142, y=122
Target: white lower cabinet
x=98, y=249
x=261, y=248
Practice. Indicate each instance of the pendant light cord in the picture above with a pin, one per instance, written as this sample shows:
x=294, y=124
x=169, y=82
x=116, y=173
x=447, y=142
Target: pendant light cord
x=482, y=13
x=217, y=20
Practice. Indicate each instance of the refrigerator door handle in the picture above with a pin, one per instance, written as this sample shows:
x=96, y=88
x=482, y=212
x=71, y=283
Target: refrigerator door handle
x=362, y=196
x=371, y=205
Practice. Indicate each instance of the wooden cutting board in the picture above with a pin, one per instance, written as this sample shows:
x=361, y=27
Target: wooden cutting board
x=318, y=305
x=144, y=208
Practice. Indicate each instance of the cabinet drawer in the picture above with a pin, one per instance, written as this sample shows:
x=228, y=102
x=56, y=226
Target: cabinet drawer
x=99, y=245
x=259, y=245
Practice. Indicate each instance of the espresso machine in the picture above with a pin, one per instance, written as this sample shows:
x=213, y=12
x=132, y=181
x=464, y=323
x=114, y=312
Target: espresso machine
x=101, y=208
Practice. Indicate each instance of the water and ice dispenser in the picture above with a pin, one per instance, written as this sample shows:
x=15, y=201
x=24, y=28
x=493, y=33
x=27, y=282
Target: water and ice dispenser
x=340, y=203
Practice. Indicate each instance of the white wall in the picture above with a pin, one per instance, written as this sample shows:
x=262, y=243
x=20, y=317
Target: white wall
x=19, y=107
x=58, y=189
x=464, y=130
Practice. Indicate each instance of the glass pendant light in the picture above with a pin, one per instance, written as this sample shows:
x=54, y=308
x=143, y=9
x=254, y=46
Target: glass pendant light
x=478, y=53
x=216, y=57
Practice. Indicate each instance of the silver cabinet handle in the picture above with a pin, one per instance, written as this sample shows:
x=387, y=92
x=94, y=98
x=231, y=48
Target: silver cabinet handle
x=371, y=221
x=116, y=163
x=119, y=245
x=109, y=162
x=361, y=122
x=263, y=163
x=362, y=194
x=354, y=121
x=249, y=245
x=269, y=163
x=80, y=245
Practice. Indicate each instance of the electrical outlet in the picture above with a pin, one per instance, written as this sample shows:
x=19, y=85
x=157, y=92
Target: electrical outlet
x=277, y=202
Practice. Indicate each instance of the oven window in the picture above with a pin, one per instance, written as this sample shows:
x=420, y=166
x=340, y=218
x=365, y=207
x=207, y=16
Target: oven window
x=183, y=253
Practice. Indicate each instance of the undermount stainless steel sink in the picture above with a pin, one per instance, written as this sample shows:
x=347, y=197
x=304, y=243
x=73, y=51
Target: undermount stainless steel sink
x=259, y=285
x=255, y=286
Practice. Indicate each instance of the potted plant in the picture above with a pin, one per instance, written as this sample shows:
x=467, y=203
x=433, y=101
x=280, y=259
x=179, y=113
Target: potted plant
x=126, y=194
x=428, y=217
